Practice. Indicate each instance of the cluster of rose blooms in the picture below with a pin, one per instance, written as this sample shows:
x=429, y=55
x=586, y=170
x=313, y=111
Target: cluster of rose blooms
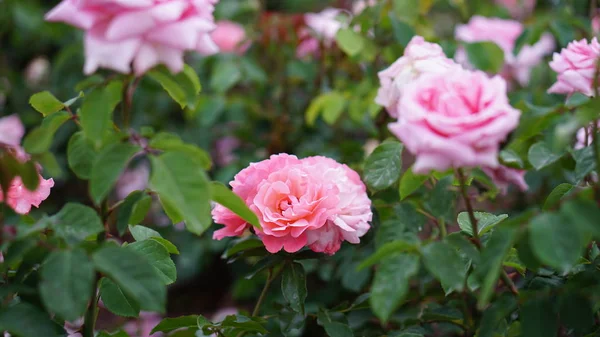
x=447, y=115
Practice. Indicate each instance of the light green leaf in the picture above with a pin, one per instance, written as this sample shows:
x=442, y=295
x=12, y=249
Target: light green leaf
x=172, y=143
x=45, y=103
x=350, y=41
x=170, y=324
x=40, y=138
x=485, y=222
x=330, y=105
x=81, y=155
x=183, y=87
x=184, y=187
x=107, y=168
x=116, y=301
x=540, y=155
x=225, y=75
x=158, y=257
x=134, y=275
x=486, y=56
x=224, y=196
x=97, y=109
x=67, y=283
x=443, y=261
x=75, y=222
x=410, y=182
x=141, y=233
x=384, y=165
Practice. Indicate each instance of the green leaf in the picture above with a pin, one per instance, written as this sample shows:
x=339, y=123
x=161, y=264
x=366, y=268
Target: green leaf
x=293, y=286
x=511, y=158
x=76, y=222
x=108, y=166
x=330, y=105
x=498, y=311
x=97, y=109
x=224, y=196
x=485, y=222
x=134, y=275
x=81, y=155
x=538, y=318
x=407, y=10
x=584, y=214
x=403, y=32
x=225, y=75
x=556, y=195
x=141, y=233
x=209, y=109
x=67, y=283
x=387, y=295
x=585, y=162
x=577, y=313
x=540, y=155
x=384, y=165
x=243, y=323
x=486, y=56
x=185, y=187
x=40, y=138
x=170, y=324
x=183, y=87
x=115, y=300
x=25, y=320
x=241, y=245
x=350, y=41
x=125, y=210
x=441, y=200
x=389, y=248
x=556, y=242
x=443, y=261
x=410, y=182
x=337, y=329
x=45, y=103
x=158, y=257
x=172, y=143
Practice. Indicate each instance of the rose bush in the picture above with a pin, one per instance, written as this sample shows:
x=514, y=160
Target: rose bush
x=247, y=168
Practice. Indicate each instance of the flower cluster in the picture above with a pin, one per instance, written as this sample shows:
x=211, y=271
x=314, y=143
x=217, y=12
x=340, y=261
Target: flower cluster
x=448, y=117
x=315, y=202
x=18, y=197
x=142, y=32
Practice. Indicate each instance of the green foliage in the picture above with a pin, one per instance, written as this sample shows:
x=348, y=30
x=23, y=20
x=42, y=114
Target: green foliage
x=384, y=165
x=486, y=56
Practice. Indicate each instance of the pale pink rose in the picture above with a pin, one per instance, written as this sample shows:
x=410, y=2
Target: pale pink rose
x=143, y=32
x=420, y=57
x=11, y=130
x=518, y=8
x=455, y=119
x=314, y=201
x=18, y=197
x=584, y=136
x=134, y=179
x=503, y=176
x=596, y=24
x=504, y=33
x=576, y=67
x=320, y=27
x=230, y=37
x=143, y=325
x=360, y=5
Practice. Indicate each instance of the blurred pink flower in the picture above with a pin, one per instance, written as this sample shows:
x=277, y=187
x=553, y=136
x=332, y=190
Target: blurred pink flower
x=294, y=199
x=455, y=119
x=360, y=5
x=576, y=67
x=18, y=197
x=503, y=176
x=133, y=179
x=142, y=326
x=145, y=32
x=518, y=8
x=504, y=33
x=230, y=37
x=224, y=148
x=420, y=57
x=322, y=26
x=596, y=24
x=584, y=136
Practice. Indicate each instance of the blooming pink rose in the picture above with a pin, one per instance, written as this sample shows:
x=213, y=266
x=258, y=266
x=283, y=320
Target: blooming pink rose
x=314, y=201
x=145, y=32
x=322, y=26
x=518, y=8
x=503, y=176
x=576, y=67
x=11, y=130
x=18, y=197
x=230, y=37
x=455, y=119
x=419, y=57
x=504, y=33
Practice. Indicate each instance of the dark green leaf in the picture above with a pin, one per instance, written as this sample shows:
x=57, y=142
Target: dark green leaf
x=45, y=103
x=81, y=155
x=224, y=196
x=538, y=319
x=387, y=295
x=585, y=162
x=225, y=75
x=76, y=222
x=134, y=275
x=389, y=248
x=126, y=209
x=485, y=221
x=486, y=56
x=158, y=257
x=440, y=201
x=185, y=188
x=40, y=138
x=410, y=182
x=107, y=168
x=337, y=329
x=242, y=245
x=554, y=241
x=116, y=301
x=540, y=155
x=293, y=286
x=584, y=214
x=497, y=312
x=243, y=323
x=576, y=313
x=384, y=165
x=170, y=324
x=25, y=320
x=403, y=32
x=443, y=261
x=557, y=193
x=97, y=109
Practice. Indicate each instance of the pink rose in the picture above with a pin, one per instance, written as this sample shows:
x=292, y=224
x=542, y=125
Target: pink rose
x=584, y=136
x=230, y=37
x=360, y=5
x=419, y=57
x=322, y=26
x=145, y=32
x=504, y=33
x=314, y=201
x=18, y=197
x=576, y=67
x=455, y=119
x=503, y=176
x=518, y=8
x=596, y=24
